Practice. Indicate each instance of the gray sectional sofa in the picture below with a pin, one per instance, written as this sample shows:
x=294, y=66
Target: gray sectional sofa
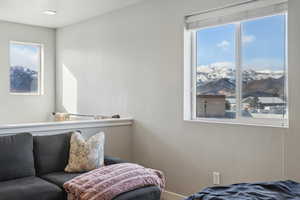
x=32, y=168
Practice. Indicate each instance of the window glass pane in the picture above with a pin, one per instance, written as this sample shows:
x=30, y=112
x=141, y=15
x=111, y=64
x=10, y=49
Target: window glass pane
x=215, y=72
x=25, y=61
x=263, y=68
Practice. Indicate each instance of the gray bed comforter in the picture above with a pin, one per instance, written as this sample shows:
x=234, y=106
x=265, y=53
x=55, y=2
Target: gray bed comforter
x=278, y=190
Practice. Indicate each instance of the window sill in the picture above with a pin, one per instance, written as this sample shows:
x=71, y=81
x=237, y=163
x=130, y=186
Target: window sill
x=244, y=122
x=64, y=125
x=25, y=94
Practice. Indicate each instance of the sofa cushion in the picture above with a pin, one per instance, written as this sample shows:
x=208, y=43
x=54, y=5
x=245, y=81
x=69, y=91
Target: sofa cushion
x=146, y=193
x=16, y=156
x=51, y=152
x=31, y=188
x=86, y=155
x=59, y=178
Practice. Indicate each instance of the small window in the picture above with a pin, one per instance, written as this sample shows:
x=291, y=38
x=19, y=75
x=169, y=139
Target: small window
x=236, y=67
x=25, y=68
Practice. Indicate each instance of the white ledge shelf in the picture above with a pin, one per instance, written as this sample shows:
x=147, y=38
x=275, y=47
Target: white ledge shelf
x=64, y=125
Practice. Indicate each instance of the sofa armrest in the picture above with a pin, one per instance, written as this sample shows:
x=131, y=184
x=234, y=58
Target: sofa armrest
x=108, y=160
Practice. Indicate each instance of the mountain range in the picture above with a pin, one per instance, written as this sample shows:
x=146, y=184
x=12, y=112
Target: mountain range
x=220, y=80
x=23, y=79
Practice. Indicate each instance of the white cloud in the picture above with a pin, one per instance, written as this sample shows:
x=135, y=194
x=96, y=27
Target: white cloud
x=224, y=44
x=24, y=56
x=248, y=39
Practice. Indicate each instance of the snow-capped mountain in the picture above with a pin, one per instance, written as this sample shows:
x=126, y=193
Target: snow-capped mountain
x=220, y=79
x=214, y=72
x=250, y=74
x=206, y=73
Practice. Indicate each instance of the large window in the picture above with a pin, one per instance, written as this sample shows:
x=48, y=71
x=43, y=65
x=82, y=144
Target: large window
x=25, y=68
x=238, y=69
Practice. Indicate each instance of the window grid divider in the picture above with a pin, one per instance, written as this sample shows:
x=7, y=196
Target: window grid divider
x=238, y=65
x=286, y=81
x=194, y=74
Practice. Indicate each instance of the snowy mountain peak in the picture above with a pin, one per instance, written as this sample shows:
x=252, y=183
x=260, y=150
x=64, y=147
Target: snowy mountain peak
x=215, y=71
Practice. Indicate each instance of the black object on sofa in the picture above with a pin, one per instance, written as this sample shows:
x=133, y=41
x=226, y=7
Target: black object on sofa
x=32, y=168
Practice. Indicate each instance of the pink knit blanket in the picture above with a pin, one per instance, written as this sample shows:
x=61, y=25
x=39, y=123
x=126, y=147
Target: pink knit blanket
x=109, y=181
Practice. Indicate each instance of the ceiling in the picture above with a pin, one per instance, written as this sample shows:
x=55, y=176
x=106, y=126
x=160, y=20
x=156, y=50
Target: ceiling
x=68, y=11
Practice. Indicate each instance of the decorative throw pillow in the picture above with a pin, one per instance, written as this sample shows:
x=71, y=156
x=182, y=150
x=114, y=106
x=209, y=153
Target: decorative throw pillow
x=86, y=155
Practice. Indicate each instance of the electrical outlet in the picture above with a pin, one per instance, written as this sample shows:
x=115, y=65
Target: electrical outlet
x=216, y=178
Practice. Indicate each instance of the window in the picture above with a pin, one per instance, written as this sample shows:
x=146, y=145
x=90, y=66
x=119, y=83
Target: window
x=25, y=68
x=235, y=66
x=215, y=72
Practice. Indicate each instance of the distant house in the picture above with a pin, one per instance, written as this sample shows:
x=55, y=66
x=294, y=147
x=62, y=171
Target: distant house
x=211, y=106
x=263, y=102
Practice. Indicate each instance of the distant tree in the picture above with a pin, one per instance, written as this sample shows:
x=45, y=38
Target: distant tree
x=227, y=105
x=275, y=92
x=254, y=103
x=205, y=108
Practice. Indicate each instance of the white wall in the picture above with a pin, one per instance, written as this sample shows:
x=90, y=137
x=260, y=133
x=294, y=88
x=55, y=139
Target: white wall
x=131, y=61
x=20, y=109
x=118, y=140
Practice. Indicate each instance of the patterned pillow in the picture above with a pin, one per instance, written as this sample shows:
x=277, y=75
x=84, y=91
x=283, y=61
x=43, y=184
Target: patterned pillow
x=86, y=155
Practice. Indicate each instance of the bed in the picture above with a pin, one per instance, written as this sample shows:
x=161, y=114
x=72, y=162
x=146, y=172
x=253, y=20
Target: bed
x=277, y=190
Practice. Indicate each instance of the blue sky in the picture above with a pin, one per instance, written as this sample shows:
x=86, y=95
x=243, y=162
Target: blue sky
x=262, y=39
x=25, y=55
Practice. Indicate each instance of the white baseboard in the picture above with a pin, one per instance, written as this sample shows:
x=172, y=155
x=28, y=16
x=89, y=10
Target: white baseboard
x=167, y=195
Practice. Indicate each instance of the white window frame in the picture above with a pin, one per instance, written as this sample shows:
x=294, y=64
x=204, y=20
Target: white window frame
x=190, y=66
x=40, y=73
